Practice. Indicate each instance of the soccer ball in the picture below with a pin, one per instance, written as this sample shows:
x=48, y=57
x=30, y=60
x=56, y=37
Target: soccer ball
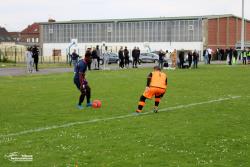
x=96, y=104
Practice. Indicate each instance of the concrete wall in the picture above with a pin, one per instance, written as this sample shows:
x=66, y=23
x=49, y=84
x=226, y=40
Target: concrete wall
x=47, y=48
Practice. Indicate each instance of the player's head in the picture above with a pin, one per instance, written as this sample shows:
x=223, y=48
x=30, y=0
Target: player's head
x=157, y=68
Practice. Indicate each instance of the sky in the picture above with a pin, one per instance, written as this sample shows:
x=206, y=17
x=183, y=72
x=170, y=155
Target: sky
x=16, y=15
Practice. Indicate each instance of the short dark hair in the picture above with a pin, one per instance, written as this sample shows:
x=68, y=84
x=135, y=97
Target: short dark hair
x=157, y=68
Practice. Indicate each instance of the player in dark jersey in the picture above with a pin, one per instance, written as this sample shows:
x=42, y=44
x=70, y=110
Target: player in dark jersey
x=81, y=83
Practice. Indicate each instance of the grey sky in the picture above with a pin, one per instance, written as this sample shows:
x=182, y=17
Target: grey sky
x=17, y=14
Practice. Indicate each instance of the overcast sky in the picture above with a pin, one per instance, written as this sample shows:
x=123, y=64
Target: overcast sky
x=15, y=15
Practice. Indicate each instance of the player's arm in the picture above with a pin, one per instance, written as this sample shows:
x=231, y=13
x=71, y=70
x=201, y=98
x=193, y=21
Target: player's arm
x=149, y=80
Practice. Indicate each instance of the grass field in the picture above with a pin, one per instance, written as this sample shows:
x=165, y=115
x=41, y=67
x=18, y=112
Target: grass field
x=204, y=120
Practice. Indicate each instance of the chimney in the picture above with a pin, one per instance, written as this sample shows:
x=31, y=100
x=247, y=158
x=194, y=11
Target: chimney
x=51, y=20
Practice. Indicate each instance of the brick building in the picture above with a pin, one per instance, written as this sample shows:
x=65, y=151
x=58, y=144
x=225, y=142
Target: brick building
x=224, y=31
x=30, y=35
x=16, y=36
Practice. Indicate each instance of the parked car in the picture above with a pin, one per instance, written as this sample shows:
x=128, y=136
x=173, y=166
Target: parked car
x=112, y=58
x=148, y=58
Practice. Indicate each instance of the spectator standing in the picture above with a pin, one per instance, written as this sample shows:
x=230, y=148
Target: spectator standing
x=134, y=56
x=181, y=59
x=209, y=51
x=35, y=54
x=74, y=58
x=29, y=60
x=138, y=53
x=121, y=58
x=173, y=58
x=244, y=57
x=105, y=57
x=88, y=57
x=94, y=58
x=195, y=59
x=222, y=52
x=230, y=54
x=98, y=53
x=248, y=56
x=161, y=59
x=126, y=56
x=235, y=55
x=190, y=59
x=205, y=56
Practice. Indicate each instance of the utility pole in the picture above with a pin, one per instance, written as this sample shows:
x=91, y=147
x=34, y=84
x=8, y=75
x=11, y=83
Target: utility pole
x=242, y=28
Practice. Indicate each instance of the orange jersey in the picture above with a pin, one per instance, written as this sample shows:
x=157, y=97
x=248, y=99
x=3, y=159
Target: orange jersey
x=158, y=80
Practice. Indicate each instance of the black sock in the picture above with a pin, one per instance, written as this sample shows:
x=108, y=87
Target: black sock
x=81, y=99
x=88, y=93
x=157, y=104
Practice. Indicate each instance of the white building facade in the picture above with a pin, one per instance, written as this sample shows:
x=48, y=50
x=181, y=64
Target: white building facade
x=148, y=34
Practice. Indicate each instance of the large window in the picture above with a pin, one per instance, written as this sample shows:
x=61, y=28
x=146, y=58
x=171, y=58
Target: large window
x=134, y=31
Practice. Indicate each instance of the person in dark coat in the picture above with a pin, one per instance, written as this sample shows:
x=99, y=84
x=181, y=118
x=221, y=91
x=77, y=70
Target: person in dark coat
x=230, y=54
x=126, y=56
x=95, y=58
x=121, y=58
x=181, y=59
x=222, y=53
x=235, y=54
x=138, y=53
x=195, y=59
x=98, y=52
x=74, y=58
x=134, y=56
x=88, y=57
x=190, y=55
x=35, y=55
x=161, y=59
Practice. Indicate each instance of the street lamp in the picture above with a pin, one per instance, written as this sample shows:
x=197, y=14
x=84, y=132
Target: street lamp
x=242, y=27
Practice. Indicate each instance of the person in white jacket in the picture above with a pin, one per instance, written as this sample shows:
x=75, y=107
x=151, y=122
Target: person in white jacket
x=30, y=60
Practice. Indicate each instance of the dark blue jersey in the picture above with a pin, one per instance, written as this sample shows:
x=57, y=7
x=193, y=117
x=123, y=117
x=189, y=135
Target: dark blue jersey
x=81, y=67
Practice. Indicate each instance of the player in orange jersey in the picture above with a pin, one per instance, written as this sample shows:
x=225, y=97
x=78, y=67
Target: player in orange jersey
x=156, y=86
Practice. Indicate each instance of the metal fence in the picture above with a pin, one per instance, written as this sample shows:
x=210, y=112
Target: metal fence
x=12, y=54
x=17, y=54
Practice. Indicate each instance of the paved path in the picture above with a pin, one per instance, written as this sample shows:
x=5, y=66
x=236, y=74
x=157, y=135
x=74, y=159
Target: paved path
x=22, y=70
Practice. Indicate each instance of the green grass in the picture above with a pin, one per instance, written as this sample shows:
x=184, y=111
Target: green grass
x=213, y=134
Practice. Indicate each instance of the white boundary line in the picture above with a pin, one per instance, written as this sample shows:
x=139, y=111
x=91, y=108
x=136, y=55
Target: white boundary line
x=113, y=118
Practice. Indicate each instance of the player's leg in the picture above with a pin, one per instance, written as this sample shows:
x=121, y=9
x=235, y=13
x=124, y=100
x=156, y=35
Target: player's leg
x=81, y=98
x=82, y=95
x=88, y=95
x=141, y=104
x=148, y=94
x=158, y=97
x=157, y=102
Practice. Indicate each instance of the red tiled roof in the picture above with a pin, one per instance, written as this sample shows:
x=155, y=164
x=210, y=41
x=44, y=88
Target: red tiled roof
x=31, y=29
